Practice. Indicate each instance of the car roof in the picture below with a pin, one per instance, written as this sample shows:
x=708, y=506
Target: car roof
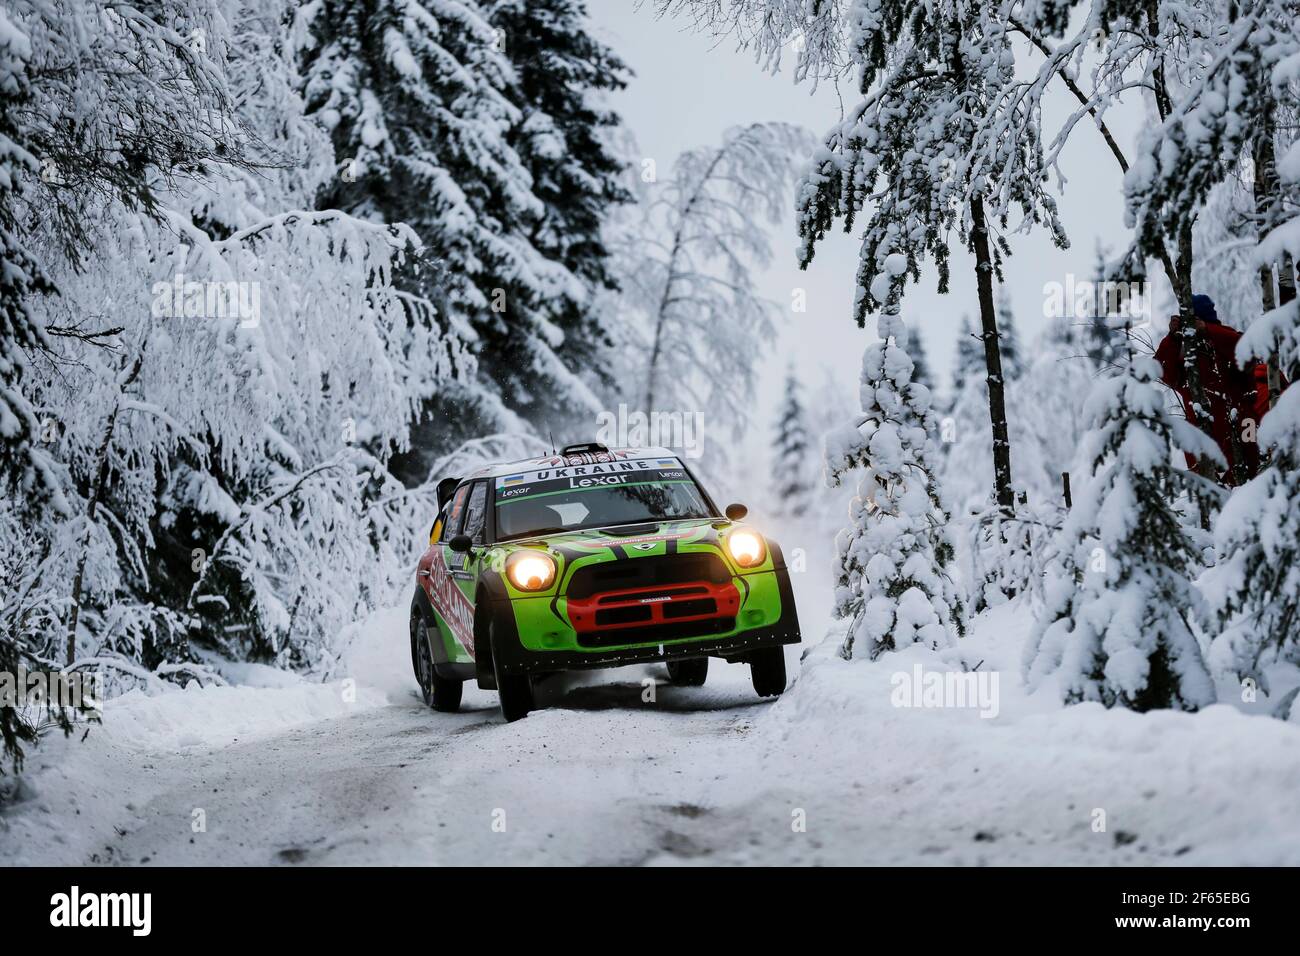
x=559, y=460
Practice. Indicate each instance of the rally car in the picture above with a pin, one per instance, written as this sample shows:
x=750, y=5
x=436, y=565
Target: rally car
x=592, y=558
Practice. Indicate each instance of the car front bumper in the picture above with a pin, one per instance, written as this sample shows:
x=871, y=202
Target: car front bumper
x=511, y=656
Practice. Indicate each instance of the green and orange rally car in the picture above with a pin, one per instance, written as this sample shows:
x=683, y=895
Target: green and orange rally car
x=592, y=558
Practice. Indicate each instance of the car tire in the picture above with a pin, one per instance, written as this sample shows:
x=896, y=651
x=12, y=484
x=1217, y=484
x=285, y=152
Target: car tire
x=767, y=671
x=514, y=691
x=689, y=673
x=439, y=693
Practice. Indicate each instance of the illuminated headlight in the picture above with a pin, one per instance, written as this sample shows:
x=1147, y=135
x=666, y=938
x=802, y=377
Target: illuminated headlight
x=530, y=570
x=746, y=548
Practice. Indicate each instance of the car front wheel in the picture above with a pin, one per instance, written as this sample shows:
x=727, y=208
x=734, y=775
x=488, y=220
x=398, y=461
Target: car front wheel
x=767, y=671
x=515, y=691
x=689, y=673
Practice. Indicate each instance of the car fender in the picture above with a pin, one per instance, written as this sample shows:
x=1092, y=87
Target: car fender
x=420, y=605
x=452, y=670
x=494, y=621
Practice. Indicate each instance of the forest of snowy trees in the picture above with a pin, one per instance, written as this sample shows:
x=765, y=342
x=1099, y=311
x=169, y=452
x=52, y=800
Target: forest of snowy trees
x=1151, y=573
x=272, y=268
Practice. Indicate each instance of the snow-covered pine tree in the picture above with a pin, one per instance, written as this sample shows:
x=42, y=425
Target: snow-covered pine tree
x=1102, y=342
x=966, y=466
x=561, y=72
x=792, y=453
x=893, y=581
x=1047, y=406
x=922, y=153
x=968, y=363
x=419, y=98
x=148, y=109
x=1013, y=355
x=921, y=373
x=1002, y=557
x=1118, y=623
x=967, y=463
x=1256, y=584
x=1009, y=556
x=1226, y=108
x=1207, y=69
x=24, y=464
x=1223, y=242
x=209, y=464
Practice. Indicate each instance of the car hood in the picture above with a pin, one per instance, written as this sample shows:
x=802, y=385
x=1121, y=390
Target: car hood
x=633, y=540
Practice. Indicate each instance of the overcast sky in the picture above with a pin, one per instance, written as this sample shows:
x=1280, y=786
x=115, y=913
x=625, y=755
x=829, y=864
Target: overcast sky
x=689, y=87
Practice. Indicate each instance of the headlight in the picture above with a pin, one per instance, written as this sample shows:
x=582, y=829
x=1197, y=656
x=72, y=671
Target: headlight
x=746, y=548
x=530, y=570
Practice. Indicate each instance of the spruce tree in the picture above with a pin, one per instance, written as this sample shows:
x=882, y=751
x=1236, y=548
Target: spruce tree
x=1118, y=622
x=1013, y=354
x=24, y=465
x=434, y=126
x=1257, y=533
x=969, y=363
x=792, y=453
x=921, y=373
x=931, y=149
x=1231, y=114
x=894, y=580
x=562, y=137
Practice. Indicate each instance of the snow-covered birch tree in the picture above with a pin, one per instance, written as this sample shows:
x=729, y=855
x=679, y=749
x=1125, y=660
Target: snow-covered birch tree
x=223, y=367
x=703, y=321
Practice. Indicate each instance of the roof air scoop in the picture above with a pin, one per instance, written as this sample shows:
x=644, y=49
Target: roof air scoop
x=584, y=448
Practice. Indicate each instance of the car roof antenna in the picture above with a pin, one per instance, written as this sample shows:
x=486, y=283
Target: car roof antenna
x=552, y=438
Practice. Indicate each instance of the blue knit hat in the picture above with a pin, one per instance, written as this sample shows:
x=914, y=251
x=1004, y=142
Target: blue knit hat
x=1203, y=308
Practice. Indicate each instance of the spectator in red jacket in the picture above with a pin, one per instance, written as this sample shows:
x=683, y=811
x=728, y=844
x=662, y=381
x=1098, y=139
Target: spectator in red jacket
x=1235, y=395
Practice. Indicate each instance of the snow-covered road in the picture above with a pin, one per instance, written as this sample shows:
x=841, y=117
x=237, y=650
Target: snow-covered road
x=599, y=777
x=833, y=773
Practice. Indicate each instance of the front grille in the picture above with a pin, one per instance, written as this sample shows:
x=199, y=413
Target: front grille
x=692, y=608
x=622, y=615
x=656, y=634
x=655, y=571
x=650, y=595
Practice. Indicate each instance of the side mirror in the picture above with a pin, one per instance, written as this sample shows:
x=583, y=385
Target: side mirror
x=461, y=543
x=736, y=511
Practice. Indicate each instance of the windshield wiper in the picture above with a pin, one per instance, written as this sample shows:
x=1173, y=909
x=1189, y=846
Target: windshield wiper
x=538, y=533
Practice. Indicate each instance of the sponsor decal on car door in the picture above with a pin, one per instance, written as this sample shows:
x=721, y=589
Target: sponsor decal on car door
x=443, y=572
x=447, y=595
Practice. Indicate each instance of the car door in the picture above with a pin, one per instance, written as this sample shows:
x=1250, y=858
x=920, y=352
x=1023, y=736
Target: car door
x=464, y=567
x=440, y=574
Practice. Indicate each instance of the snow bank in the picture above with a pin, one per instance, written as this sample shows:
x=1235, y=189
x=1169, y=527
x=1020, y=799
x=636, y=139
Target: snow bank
x=378, y=653
x=218, y=716
x=76, y=797
x=1033, y=783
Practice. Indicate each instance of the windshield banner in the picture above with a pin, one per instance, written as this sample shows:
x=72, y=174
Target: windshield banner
x=526, y=484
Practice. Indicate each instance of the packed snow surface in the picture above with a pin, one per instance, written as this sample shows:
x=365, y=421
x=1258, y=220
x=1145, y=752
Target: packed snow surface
x=832, y=773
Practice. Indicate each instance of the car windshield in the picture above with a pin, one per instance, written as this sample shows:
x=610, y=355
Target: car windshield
x=563, y=501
